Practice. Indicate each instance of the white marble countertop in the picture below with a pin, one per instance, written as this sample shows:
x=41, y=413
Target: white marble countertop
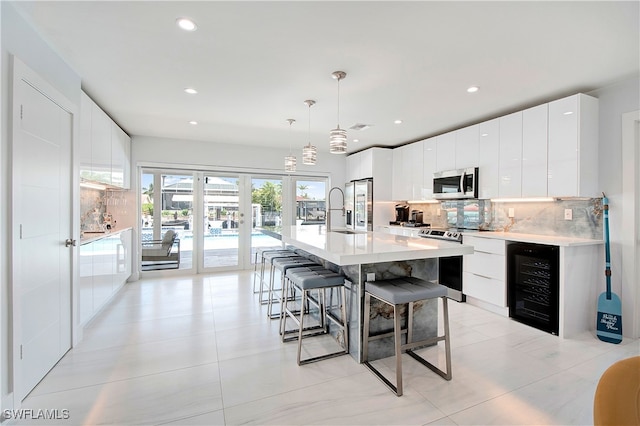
x=361, y=247
x=534, y=238
x=90, y=237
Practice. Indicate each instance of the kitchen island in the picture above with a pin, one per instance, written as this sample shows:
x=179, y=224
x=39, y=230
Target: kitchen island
x=363, y=255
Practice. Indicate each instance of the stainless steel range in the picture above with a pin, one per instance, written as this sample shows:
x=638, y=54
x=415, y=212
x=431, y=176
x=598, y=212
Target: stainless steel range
x=442, y=234
x=449, y=268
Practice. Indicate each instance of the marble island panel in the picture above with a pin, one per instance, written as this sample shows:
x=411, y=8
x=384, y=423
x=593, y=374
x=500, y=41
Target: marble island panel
x=361, y=254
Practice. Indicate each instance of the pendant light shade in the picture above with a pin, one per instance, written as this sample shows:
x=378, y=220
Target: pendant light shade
x=338, y=136
x=309, y=152
x=290, y=163
x=290, y=160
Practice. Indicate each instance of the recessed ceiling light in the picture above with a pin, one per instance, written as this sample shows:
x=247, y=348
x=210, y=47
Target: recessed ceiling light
x=190, y=91
x=473, y=89
x=568, y=113
x=186, y=24
x=484, y=135
x=356, y=140
x=397, y=122
x=193, y=122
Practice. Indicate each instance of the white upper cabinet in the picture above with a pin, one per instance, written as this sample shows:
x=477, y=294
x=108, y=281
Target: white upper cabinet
x=429, y=155
x=120, y=152
x=467, y=147
x=534, y=151
x=573, y=147
x=105, y=149
x=414, y=168
x=446, y=147
x=366, y=164
x=548, y=150
x=84, y=137
x=510, y=161
x=360, y=165
x=100, y=145
x=353, y=165
x=488, y=154
x=401, y=190
x=408, y=172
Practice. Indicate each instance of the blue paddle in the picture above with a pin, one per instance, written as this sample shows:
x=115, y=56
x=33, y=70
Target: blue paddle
x=609, y=319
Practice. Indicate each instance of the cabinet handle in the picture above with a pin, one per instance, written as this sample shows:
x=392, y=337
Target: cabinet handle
x=70, y=242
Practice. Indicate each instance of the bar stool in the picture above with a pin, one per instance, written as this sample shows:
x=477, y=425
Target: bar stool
x=289, y=289
x=257, y=266
x=267, y=258
x=307, y=281
x=258, y=270
x=282, y=264
x=398, y=292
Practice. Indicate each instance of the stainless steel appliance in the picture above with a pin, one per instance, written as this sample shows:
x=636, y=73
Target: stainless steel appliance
x=533, y=285
x=363, y=204
x=456, y=184
x=348, y=205
x=416, y=216
x=402, y=214
x=449, y=268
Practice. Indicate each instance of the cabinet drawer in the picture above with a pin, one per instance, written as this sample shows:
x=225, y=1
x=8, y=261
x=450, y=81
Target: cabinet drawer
x=486, y=289
x=485, y=264
x=487, y=245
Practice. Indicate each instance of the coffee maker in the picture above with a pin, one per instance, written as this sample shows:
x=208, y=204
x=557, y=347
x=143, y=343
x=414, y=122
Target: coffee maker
x=402, y=214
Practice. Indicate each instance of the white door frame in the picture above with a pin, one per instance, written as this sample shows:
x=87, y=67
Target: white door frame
x=630, y=238
x=21, y=72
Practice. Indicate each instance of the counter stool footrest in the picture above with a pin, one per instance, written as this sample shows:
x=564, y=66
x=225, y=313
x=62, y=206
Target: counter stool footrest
x=430, y=366
x=381, y=377
x=322, y=357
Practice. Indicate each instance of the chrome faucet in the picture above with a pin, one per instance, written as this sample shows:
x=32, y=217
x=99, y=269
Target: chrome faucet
x=329, y=209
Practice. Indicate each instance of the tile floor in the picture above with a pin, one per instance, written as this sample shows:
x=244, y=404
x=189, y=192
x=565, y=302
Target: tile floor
x=198, y=350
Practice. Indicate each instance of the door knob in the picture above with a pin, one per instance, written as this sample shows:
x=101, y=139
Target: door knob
x=70, y=242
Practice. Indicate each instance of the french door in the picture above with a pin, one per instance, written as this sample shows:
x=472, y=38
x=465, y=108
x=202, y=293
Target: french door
x=237, y=209
x=222, y=218
x=226, y=228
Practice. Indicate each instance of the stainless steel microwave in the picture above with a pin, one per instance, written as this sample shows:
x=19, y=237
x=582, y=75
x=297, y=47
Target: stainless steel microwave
x=456, y=184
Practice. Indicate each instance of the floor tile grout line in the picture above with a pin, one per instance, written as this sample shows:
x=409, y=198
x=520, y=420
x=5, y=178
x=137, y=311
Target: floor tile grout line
x=124, y=379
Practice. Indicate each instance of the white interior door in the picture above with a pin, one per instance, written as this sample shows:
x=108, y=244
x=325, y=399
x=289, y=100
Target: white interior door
x=41, y=222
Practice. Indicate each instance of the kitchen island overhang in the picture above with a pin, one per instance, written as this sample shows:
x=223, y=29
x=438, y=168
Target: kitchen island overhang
x=345, y=247
x=358, y=255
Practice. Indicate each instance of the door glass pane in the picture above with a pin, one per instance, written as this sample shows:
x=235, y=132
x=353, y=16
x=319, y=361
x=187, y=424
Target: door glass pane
x=221, y=210
x=266, y=207
x=310, y=202
x=167, y=238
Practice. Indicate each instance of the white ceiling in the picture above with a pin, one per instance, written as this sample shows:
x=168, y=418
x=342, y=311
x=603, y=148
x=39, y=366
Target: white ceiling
x=254, y=63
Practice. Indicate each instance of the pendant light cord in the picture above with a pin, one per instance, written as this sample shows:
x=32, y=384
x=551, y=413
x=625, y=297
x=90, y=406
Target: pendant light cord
x=338, y=126
x=309, y=129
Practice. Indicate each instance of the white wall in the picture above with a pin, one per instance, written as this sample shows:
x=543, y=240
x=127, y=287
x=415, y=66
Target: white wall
x=179, y=153
x=615, y=100
x=19, y=39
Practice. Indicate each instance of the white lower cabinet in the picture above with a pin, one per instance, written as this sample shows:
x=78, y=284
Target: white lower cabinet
x=484, y=272
x=105, y=265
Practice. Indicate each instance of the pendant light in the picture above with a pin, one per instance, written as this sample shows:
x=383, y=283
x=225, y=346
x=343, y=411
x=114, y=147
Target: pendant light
x=290, y=160
x=338, y=136
x=309, y=152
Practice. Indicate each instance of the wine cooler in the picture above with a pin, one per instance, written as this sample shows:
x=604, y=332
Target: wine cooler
x=532, y=285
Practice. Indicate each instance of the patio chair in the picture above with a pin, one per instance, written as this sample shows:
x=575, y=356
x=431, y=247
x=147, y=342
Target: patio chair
x=162, y=254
